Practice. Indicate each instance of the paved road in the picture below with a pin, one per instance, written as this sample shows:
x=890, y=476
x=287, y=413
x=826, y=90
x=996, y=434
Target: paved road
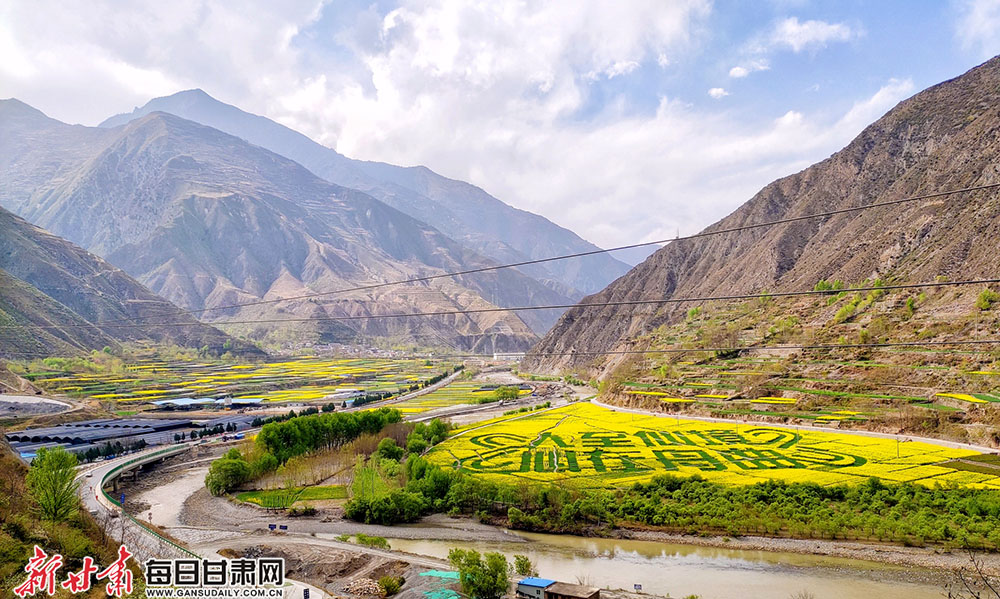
x=139, y=540
x=142, y=542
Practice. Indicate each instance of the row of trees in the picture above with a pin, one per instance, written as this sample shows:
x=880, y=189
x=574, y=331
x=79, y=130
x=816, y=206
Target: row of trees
x=400, y=505
x=110, y=449
x=278, y=442
x=873, y=510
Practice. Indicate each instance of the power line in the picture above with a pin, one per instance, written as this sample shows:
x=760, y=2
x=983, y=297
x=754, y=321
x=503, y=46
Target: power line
x=578, y=254
x=683, y=350
x=672, y=350
x=659, y=301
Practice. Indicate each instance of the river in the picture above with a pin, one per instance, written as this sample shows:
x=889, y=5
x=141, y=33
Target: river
x=710, y=573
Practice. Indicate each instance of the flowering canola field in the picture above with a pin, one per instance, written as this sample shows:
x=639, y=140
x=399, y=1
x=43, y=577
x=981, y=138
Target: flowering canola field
x=452, y=395
x=297, y=379
x=585, y=445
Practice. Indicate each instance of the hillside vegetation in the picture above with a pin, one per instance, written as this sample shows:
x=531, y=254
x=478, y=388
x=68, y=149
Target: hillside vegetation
x=944, y=138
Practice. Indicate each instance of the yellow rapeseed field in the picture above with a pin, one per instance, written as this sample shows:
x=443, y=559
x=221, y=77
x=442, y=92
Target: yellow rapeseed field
x=590, y=446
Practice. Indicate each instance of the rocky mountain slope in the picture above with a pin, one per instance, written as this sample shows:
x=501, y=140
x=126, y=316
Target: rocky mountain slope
x=206, y=220
x=462, y=211
x=946, y=137
x=47, y=281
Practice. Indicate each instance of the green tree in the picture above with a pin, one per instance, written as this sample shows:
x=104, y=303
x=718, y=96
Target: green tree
x=225, y=474
x=482, y=576
x=416, y=444
x=50, y=480
x=523, y=566
x=506, y=393
x=387, y=449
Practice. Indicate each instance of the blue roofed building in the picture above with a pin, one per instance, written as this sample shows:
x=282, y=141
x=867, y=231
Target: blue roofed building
x=533, y=587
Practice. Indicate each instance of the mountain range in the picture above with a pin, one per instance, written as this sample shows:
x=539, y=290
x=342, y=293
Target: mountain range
x=207, y=220
x=458, y=209
x=944, y=138
x=57, y=298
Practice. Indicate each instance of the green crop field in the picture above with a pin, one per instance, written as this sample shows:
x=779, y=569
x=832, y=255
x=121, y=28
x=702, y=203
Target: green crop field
x=282, y=498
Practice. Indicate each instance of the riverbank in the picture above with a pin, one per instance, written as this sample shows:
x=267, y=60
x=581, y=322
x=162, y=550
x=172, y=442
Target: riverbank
x=897, y=555
x=178, y=499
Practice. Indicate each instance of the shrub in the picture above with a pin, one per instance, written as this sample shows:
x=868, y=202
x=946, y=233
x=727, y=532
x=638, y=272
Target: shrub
x=986, y=299
x=847, y=310
x=523, y=566
x=372, y=541
x=391, y=584
x=306, y=510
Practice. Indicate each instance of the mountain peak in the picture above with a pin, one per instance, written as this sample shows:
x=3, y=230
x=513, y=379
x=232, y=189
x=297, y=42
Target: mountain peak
x=461, y=210
x=181, y=103
x=13, y=110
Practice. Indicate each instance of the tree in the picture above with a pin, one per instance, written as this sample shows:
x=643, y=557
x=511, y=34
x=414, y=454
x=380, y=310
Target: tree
x=416, y=444
x=523, y=566
x=50, y=480
x=972, y=582
x=506, y=393
x=388, y=449
x=482, y=576
x=225, y=474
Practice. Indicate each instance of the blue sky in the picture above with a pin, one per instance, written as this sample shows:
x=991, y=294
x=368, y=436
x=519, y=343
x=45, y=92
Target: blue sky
x=623, y=121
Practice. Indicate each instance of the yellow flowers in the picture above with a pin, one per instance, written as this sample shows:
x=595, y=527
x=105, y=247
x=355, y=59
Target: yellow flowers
x=302, y=379
x=775, y=400
x=590, y=446
x=962, y=396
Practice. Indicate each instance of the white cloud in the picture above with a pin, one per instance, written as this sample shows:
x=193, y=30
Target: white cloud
x=798, y=36
x=80, y=65
x=740, y=71
x=978, y=26
x=866, y=111
x=718, y=92
x=489, y=93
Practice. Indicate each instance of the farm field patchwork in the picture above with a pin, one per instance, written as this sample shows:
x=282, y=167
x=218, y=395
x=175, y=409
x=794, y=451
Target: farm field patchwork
x=585, y=445
x=456, y=393
x=301, y=379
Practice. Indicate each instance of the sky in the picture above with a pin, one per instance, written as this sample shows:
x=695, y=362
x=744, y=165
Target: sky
x=623, y=121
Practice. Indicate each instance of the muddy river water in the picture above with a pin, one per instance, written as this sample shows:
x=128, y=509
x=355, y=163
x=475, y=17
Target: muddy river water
x=667, y=569
x=711, y=573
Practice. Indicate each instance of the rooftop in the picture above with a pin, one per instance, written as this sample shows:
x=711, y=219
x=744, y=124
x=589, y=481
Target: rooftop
x=572, y=590
x=532, y=581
